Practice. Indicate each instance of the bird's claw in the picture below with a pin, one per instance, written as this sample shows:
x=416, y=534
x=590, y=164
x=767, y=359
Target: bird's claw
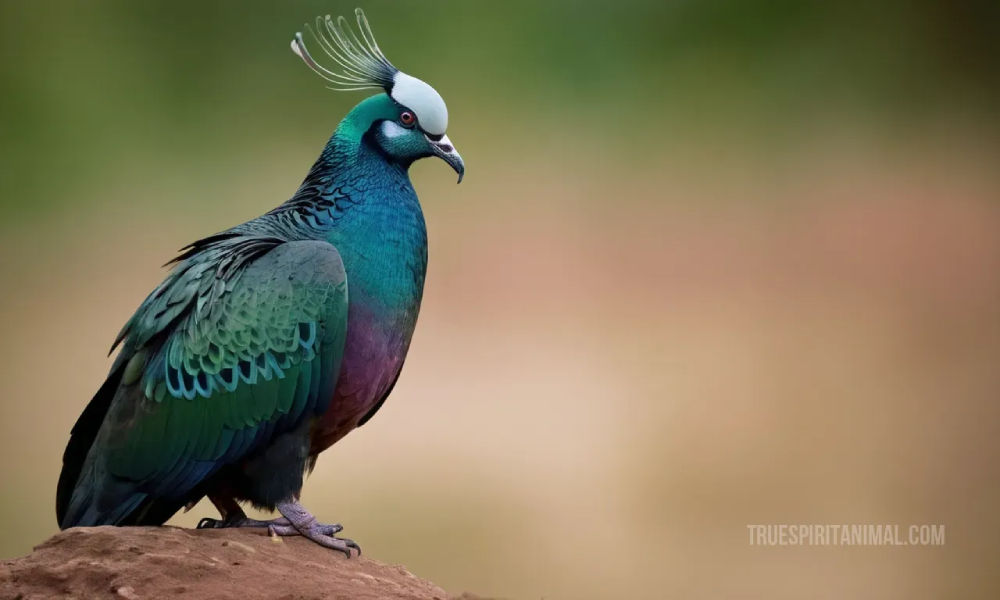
x=230, y=522
x=209, y=523
x=294, y=520
x=335, y=543
x=239, y=521
x=324, y=535
x=350, y=544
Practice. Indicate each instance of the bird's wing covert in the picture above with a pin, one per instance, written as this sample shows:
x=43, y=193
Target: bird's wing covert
x=234, y=370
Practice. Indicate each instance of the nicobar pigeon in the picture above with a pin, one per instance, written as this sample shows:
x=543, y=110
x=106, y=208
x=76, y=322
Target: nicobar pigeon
x=269, y=342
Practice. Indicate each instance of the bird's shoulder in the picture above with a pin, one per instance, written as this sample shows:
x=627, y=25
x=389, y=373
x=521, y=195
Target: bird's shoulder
x=250, y=267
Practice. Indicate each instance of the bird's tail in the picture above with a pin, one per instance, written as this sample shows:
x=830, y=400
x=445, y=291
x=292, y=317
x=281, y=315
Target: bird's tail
x=86, y=495
x=98, y=502
x=81, y=439
x=86, y=509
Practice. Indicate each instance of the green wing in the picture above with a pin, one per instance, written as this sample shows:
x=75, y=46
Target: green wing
x=252, y=352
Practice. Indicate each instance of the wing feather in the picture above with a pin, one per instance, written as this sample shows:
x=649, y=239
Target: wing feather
x=230, y=362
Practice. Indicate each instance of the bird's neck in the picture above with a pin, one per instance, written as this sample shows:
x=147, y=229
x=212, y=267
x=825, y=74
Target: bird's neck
x=367, y=208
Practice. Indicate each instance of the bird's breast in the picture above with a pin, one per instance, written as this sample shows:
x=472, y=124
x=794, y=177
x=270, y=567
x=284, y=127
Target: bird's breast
x=373, y=356
x=385, y=278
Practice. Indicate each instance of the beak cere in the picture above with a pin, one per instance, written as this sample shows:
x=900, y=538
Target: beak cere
x=444, y=150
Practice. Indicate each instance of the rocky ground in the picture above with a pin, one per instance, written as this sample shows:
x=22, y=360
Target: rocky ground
x=150, y=563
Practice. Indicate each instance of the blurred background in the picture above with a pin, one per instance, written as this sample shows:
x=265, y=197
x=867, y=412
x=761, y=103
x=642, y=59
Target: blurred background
x=714, y=264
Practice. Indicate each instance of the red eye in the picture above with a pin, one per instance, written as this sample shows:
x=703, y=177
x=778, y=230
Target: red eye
x=407, y=119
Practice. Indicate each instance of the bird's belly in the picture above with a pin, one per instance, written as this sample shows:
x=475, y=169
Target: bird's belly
x=373, y=356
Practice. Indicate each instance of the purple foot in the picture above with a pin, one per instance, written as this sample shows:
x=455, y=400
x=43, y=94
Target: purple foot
x=300, y=522
x=296, y=520
x=282, y=525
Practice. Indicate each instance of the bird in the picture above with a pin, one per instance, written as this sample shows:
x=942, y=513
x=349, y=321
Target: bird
x=270, y=341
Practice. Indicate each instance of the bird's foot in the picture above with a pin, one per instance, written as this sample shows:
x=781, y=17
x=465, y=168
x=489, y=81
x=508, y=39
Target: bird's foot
x=281, y=525
x=298, y=521
x=295, y=520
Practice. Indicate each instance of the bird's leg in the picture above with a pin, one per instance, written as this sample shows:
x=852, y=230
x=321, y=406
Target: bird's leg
x=303, y=523
x=233, y=516
x=232, y=521
x=295, y=520
x=228, y=508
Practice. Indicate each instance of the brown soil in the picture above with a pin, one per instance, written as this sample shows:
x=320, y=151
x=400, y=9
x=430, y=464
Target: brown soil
x=150, y=563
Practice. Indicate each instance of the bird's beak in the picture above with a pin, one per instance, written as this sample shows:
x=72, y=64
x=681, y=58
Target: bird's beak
x=444, y=150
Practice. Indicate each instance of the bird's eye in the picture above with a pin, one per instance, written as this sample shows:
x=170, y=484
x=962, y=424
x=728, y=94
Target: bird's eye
x=408, y=119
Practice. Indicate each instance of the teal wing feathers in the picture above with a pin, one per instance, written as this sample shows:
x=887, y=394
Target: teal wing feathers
x=230, y=351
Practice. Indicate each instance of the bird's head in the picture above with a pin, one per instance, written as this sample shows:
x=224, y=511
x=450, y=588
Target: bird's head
x=409, y=121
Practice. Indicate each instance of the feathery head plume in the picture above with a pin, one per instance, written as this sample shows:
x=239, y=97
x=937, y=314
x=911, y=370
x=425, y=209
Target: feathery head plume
x=362, y=62
x=363, y=66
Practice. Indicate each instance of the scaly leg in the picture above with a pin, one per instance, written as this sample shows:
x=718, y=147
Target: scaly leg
x=233, y=516
x=303, y=523
x=283, y=526
x=295, y=520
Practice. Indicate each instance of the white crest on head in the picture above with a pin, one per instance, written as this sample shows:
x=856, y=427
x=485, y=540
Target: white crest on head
x=362, y=65
x=423, y=100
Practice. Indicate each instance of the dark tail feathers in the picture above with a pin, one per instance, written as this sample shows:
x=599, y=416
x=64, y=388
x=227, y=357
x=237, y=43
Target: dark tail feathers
x=81, y=439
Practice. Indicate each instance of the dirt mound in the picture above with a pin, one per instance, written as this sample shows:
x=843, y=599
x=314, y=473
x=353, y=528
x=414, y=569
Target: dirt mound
x=150, y=563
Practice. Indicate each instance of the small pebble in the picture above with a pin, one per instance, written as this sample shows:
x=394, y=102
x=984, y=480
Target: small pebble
x=127, y=593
